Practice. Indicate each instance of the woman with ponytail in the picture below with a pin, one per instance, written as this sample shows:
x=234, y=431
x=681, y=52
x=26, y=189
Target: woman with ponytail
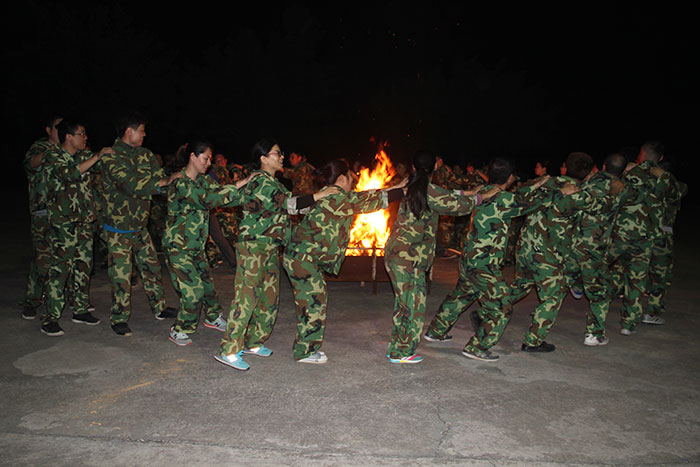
x=318, y=246
x=190, y=199
x=410, y=251
x=263, y=230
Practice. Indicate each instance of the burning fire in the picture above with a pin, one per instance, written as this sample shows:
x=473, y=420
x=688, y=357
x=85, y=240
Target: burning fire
x=372, y=230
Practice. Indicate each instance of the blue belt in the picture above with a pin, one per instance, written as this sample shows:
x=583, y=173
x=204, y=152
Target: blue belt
x=109, y=228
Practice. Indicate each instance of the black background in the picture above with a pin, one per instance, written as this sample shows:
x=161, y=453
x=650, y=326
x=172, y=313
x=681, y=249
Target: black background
x=528, y=82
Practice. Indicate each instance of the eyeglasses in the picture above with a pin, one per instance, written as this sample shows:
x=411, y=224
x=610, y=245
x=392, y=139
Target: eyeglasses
x=276, y=153
x=82, y=133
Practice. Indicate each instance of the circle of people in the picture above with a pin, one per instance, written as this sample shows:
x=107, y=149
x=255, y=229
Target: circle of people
x=594, y=233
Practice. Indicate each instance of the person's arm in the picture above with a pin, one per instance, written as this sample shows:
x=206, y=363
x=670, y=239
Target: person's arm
x=295, y=204
x=87, y=164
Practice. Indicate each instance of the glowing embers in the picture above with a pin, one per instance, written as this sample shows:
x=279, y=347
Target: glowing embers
x=370, y=232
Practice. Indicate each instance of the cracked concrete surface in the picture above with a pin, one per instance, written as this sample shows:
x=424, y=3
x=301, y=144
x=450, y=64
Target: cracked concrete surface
x=91, y=397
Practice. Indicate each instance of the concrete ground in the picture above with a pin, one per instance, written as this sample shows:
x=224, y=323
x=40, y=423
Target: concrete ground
x=91, y=397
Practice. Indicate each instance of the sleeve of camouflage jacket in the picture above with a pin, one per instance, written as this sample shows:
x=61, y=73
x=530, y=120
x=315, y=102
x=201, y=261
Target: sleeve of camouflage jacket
x=526, y=200
x=360, y=202
x=59, y=171
x=449, y=202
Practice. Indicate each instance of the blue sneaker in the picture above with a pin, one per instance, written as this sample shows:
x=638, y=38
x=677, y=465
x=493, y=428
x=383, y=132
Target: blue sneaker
x=415, y=358
x=233, y=360
x=260, y=351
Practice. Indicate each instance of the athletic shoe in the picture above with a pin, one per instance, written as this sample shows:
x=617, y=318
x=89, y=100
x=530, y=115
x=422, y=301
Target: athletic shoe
x=483, y=355
x=179, y=338
x=52, y=329
x=122, y=329
x=85, y=318
x=234, y=360
x=543, y=347
x=28, y=312
x=653, y=319
x=219, y=324
x=430, y=338
x=627, y=332
x=592, y=340
x=260, y=351
x=316, y=357
x=91, y=308
x=475, y=320
x=169, y=312
x=576, y=293
x=415, y=358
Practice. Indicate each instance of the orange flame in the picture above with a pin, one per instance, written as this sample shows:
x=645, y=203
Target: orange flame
x=372, y=230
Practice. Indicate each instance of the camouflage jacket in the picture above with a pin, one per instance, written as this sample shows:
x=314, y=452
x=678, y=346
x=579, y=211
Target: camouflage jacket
x=490, y=222
x=445, y=178
x=550, y=230
x=130, y=177
x=221, y=175
x=189, y=203
x=594, y=223
x=302, y=177
x=412, y=240
x=640, y=214
x=36, y=188
x=69, y=193
x=469, y=181
x=265, y=211
x=672, y=203
x=323, y=234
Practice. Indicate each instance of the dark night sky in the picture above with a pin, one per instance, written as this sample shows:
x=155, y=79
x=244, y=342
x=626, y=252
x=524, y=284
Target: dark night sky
x=471, y=82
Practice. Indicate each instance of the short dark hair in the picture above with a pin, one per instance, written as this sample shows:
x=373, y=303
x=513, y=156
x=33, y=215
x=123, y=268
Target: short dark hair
x=654, y=150
x=67, y=126
x=579, y=165
x=500, y=170
x=615, y=164
x=130, y=120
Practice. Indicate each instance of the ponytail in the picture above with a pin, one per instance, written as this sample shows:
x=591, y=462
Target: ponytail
x=417, y=188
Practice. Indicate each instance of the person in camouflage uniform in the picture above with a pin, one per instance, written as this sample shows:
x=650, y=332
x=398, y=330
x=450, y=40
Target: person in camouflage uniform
x=592, y=242
x=410, y=252
x=301, y=173
x=480, y=276
x=130, y=177
x=39, y=265
x=318, y=246
x=71, y=214
x=637, y=227
x=190, y=200
x=264, y=229
x=446, y=179
x=471, y=180
x=661, y=261
x=224, y=219
x=544, y=249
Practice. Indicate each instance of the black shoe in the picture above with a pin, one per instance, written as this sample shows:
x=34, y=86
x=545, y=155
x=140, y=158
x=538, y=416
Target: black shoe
x=28, y=312
x=543, y=347
x=85, y=318
x=475, y=320
x=169, y=312
x=52, y=329
x=122, y=329
x=430, y=338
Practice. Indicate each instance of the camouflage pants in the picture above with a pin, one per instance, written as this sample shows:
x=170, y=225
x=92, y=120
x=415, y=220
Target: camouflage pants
x=488, y=287
x=545, y=273
x=310, y=300
x=595, y=279
x=660, y=269
x=446, y=232
x=409, y=308
x=192, y=280
x=630, y=275
x=256, y=297
x=71, y=258
x=39, y=266
x=121, y=248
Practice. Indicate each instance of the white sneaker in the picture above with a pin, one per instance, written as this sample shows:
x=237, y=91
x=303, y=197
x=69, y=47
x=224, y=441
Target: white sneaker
x=592, y=340
x=219, y=324
x=653, y=319
x=179, y=338
x=316, y=357
x=627, y=332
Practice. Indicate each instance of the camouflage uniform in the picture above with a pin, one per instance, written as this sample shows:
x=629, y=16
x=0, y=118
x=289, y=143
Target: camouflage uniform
x=39, y=266
x=480, y=276
x=264, y=229
x=72, y=213
x=189, y=203
x=636, y=229
x=130, y=177
x=226, y=216
x=302, y=177
x=468, y=181
x=661, y=262
x=445, y=178
x=543, y=257
x=409, y=254
x=318, y=246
